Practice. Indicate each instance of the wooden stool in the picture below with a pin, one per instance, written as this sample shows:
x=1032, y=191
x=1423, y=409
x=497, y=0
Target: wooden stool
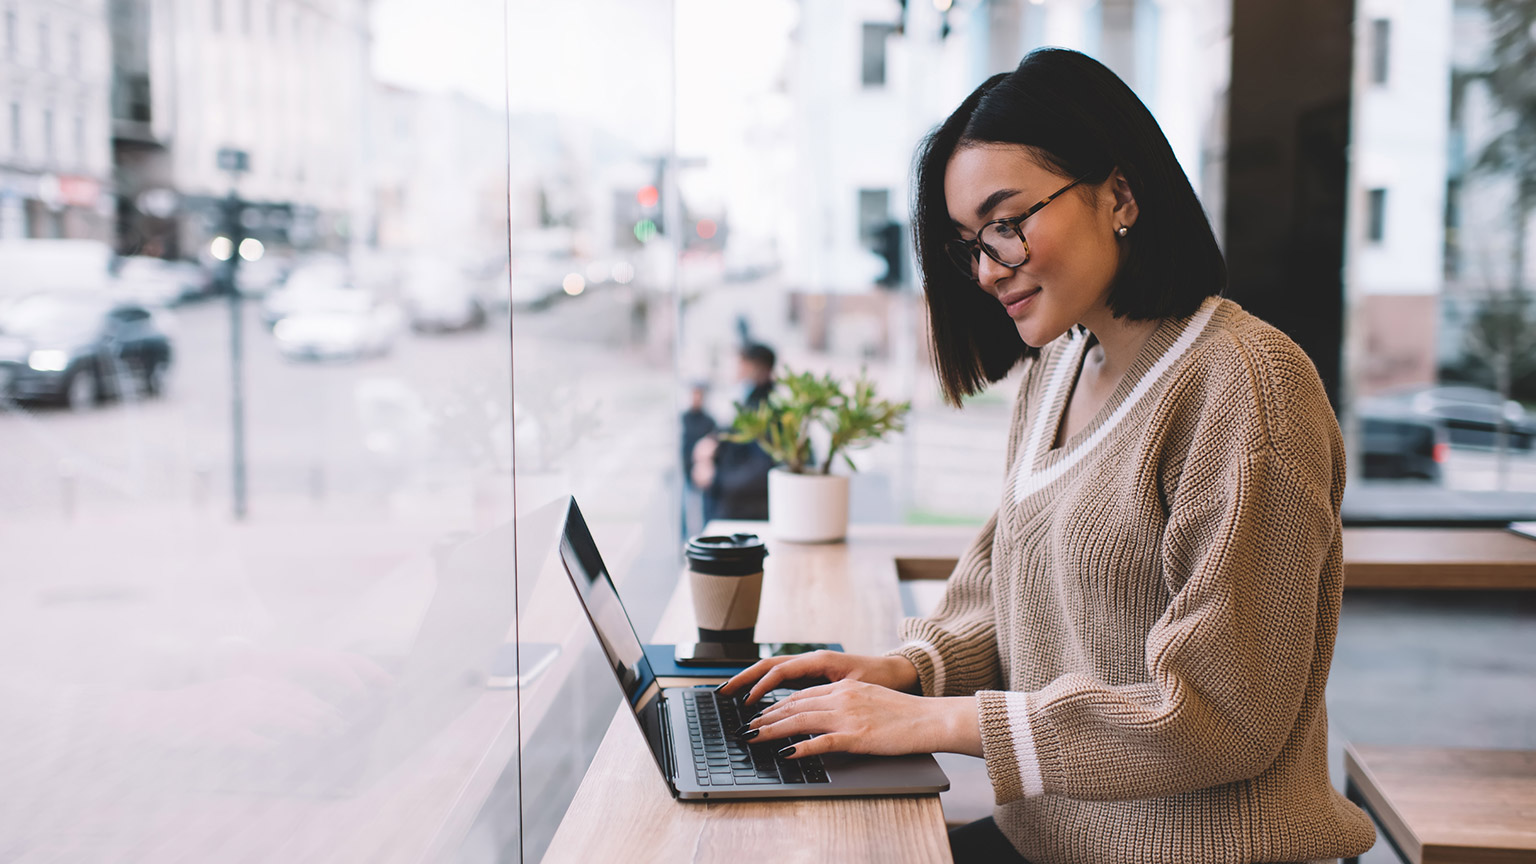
x=1451, y=806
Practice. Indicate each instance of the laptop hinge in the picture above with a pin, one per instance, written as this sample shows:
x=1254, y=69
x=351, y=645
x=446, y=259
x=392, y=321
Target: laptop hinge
x=667, y=754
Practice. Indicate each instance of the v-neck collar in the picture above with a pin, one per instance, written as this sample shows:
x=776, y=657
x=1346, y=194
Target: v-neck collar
x=1041, y=464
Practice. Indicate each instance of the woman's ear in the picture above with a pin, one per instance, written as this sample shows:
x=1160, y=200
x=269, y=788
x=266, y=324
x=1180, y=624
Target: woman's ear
x=1126, y=211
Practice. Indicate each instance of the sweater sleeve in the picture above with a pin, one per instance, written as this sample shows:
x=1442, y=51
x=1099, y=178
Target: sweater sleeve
x=1252, y=534
x=955, y=649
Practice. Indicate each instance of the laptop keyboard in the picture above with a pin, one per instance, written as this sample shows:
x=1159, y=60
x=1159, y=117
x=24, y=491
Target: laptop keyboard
x=720, y=759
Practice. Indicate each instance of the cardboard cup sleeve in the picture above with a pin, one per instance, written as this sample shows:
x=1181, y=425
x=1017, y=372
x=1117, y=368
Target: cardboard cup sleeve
x=726, y=602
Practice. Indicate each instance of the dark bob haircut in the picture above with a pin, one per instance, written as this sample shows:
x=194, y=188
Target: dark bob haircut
x=1080, y=120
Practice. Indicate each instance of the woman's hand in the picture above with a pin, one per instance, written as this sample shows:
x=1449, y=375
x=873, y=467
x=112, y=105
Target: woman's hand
x=894, y=673
x=852, y=716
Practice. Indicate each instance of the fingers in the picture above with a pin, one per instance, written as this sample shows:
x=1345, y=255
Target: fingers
x=784, y=711
x=749, y=675
x=830, y=742
x=796, y=667
x=799, y=723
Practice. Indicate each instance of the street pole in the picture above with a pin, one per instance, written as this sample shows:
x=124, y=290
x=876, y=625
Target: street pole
x=236, y=357
x=235, y=163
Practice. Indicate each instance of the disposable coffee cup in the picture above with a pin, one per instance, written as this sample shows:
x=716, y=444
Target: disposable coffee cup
x=725, y=572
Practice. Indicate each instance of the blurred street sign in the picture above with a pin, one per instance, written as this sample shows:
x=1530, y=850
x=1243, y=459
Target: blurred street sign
x=234, y=161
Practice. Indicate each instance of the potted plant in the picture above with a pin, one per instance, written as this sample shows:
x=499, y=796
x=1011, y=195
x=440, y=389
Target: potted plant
x=806, y=501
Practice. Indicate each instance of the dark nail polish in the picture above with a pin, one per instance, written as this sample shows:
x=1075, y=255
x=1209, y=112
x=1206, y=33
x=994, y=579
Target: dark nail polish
x=742, y=729
x=721, y=685
x=750, y=734
x=787, y=752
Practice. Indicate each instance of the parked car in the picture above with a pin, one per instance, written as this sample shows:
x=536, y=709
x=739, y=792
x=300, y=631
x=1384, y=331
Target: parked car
x=80, y=349
x=315, y=279
x=346, y=324
x=157, y=282
x=1400, y=447
x=1472, y=416
x=439, y=298
x=36, y=266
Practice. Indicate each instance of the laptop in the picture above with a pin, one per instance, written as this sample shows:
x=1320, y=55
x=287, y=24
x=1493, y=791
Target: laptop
x=689, y=730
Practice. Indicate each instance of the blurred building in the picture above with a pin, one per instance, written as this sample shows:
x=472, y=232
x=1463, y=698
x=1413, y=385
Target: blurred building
x=870, y=77
x=439, y=175
x=285, y=81
x=1399, y=148
x=55, y=160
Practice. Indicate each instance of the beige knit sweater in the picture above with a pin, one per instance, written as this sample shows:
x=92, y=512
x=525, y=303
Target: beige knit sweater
x=1148, y=620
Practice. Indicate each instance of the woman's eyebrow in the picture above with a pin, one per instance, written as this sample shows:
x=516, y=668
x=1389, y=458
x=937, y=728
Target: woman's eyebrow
x=993, y=200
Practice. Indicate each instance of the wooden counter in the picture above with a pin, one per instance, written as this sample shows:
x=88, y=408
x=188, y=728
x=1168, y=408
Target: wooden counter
x=1400, y=558
x=848, y=593
x=1439, y=558
x=1448, y=806
x=840, y=592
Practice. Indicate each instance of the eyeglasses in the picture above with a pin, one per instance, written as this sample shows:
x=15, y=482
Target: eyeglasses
x=1001, y=239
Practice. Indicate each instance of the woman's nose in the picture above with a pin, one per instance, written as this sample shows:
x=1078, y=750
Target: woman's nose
x=989, y=272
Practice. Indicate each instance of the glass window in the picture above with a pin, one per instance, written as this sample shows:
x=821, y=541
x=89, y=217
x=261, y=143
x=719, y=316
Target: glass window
x=1442, y=339
x=875, y=37
x=874, y=213
x=287, y=542
x=1381, y=50
x=1376, y=215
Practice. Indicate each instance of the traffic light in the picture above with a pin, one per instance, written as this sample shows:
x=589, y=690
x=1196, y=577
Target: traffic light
x=651, y=221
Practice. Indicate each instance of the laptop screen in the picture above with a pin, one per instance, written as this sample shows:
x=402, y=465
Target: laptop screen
x=579, y=553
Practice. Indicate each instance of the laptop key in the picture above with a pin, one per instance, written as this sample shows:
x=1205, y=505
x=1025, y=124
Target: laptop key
x=789, y=772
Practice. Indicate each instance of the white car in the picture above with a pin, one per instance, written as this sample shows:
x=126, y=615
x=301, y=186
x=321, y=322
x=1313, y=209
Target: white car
x=439, y=298
x=307, y=286
x=339, y=325
x=156, y=282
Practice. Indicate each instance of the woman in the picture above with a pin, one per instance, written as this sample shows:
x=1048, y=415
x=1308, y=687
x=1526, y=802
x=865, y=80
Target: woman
x=1138, y=641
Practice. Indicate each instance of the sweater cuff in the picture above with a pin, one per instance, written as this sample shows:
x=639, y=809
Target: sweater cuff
x=1008, y=745
x=929, y=663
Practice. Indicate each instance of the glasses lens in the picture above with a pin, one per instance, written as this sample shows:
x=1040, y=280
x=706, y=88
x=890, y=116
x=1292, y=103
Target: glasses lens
x=963, y=255
x=1005, y=244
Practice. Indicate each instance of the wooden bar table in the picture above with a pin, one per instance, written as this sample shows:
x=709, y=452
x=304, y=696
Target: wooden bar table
x=1438, y=558
x=844, y=592
x=1448, y=806
x=848, y=592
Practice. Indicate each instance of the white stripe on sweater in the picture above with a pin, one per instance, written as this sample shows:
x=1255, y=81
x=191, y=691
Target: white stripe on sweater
x=1024, y=744
x=1028, y=481
x=933, y=657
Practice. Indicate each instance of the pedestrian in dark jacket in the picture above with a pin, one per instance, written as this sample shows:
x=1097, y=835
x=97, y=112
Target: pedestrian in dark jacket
x=734, y=476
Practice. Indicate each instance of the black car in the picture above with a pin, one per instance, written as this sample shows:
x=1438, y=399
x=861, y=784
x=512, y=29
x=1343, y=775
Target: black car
x=79, y=350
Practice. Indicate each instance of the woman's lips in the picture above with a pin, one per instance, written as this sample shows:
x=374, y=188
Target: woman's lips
x=1017, y=303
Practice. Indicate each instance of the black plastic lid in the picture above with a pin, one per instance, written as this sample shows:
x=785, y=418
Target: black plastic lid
x=726, y=554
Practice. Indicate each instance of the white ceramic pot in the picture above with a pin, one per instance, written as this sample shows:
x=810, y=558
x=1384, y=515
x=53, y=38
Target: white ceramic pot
x=807, y=508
